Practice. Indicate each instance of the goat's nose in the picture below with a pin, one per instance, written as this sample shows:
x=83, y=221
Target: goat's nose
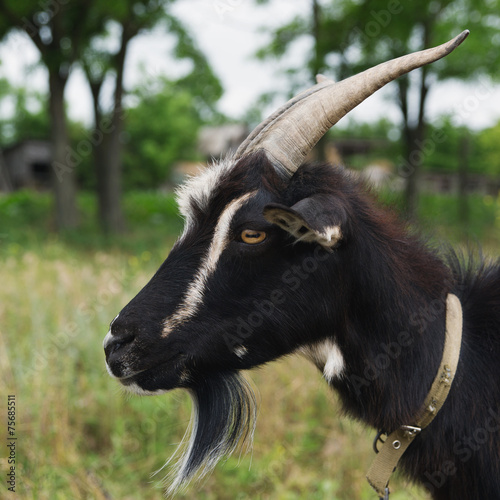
x=113, y=344
x=117, y=338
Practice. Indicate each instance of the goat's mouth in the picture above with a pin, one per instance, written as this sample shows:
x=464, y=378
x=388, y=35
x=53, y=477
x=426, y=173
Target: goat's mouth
x=159, y=377
x=123, y=377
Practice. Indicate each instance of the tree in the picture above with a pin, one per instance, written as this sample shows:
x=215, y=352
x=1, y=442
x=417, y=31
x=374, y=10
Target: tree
x=132, y=17
x=59, y=30
x=161, y=129
x=200, y=81
x=77, y=32
x=350, y=36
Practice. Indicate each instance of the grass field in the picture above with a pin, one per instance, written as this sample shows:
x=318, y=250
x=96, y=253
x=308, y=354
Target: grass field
x=80, y=437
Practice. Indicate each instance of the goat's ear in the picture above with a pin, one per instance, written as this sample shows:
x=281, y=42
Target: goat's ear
x=319, y=218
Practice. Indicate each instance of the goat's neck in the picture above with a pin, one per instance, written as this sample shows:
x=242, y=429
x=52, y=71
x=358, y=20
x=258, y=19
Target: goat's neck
x=392, y=338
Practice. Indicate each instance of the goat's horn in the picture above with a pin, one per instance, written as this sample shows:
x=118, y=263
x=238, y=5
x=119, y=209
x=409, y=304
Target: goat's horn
x=291, y=132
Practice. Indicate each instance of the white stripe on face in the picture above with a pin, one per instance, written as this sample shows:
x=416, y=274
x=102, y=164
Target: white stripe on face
x=198, y=190
x=196, y=289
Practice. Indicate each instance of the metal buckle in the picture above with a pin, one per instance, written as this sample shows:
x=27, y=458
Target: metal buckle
x=378, y=438
x=386, y=494
x=410, y=431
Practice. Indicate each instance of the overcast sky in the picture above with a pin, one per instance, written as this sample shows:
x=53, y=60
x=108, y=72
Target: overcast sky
x=229, y=32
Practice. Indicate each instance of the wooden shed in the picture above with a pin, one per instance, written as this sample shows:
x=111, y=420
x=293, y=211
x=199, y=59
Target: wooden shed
x=28, y=164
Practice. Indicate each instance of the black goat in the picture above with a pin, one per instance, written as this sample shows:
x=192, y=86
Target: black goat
x=280, y=257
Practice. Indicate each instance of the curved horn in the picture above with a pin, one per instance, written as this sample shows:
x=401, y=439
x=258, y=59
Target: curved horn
x=292, y=131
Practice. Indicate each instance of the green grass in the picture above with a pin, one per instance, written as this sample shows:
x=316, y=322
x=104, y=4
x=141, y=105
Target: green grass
x=80, y=437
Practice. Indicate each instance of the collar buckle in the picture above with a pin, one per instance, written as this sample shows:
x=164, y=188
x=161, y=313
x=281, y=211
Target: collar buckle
x=410, y=431
x=386, y=495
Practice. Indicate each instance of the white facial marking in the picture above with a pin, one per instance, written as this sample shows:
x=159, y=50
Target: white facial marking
x=108, y=337
x=240, y=351
x=196, y=289
x=327, y=357
x=199, y=189
x=135, y=389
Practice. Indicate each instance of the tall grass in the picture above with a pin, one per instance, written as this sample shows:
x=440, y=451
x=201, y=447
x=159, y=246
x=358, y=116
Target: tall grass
x=81, y=437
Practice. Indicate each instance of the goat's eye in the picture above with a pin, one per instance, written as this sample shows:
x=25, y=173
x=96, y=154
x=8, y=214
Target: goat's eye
x=253, y=237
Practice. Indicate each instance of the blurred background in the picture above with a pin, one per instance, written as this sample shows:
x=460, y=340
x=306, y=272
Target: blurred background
x=105, y=107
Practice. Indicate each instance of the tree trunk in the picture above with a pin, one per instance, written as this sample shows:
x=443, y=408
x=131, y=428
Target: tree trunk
x=414, y=132
x=109, y=165
x=463, y=167
x=64, y=164
x=414, y=144
x=316, y=68
x=414, y=141
x=101, y=132
x=108, y=168
x=108, y=156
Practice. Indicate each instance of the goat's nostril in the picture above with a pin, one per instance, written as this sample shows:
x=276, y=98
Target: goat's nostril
x=114, y=344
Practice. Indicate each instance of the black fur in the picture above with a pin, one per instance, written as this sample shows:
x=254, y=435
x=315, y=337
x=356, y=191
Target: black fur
x=223, y=416
x=379, y=295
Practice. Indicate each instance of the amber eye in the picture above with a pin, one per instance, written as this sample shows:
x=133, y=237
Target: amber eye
x=253, y=237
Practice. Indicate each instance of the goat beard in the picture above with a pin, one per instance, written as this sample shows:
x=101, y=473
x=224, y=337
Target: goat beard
x=223, y=416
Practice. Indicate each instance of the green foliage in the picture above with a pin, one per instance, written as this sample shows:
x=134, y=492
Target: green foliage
x=328, y=26
x=162, y=126
x=26, y=222
x=101, y=56
x=488, y=150
x=439, y=216
x=29, y=120
x=351, y=35
x=447, y=146
x=161, y=129
x=443, y=147
x=200, y=81
x=382, y=30
x=58, y=29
